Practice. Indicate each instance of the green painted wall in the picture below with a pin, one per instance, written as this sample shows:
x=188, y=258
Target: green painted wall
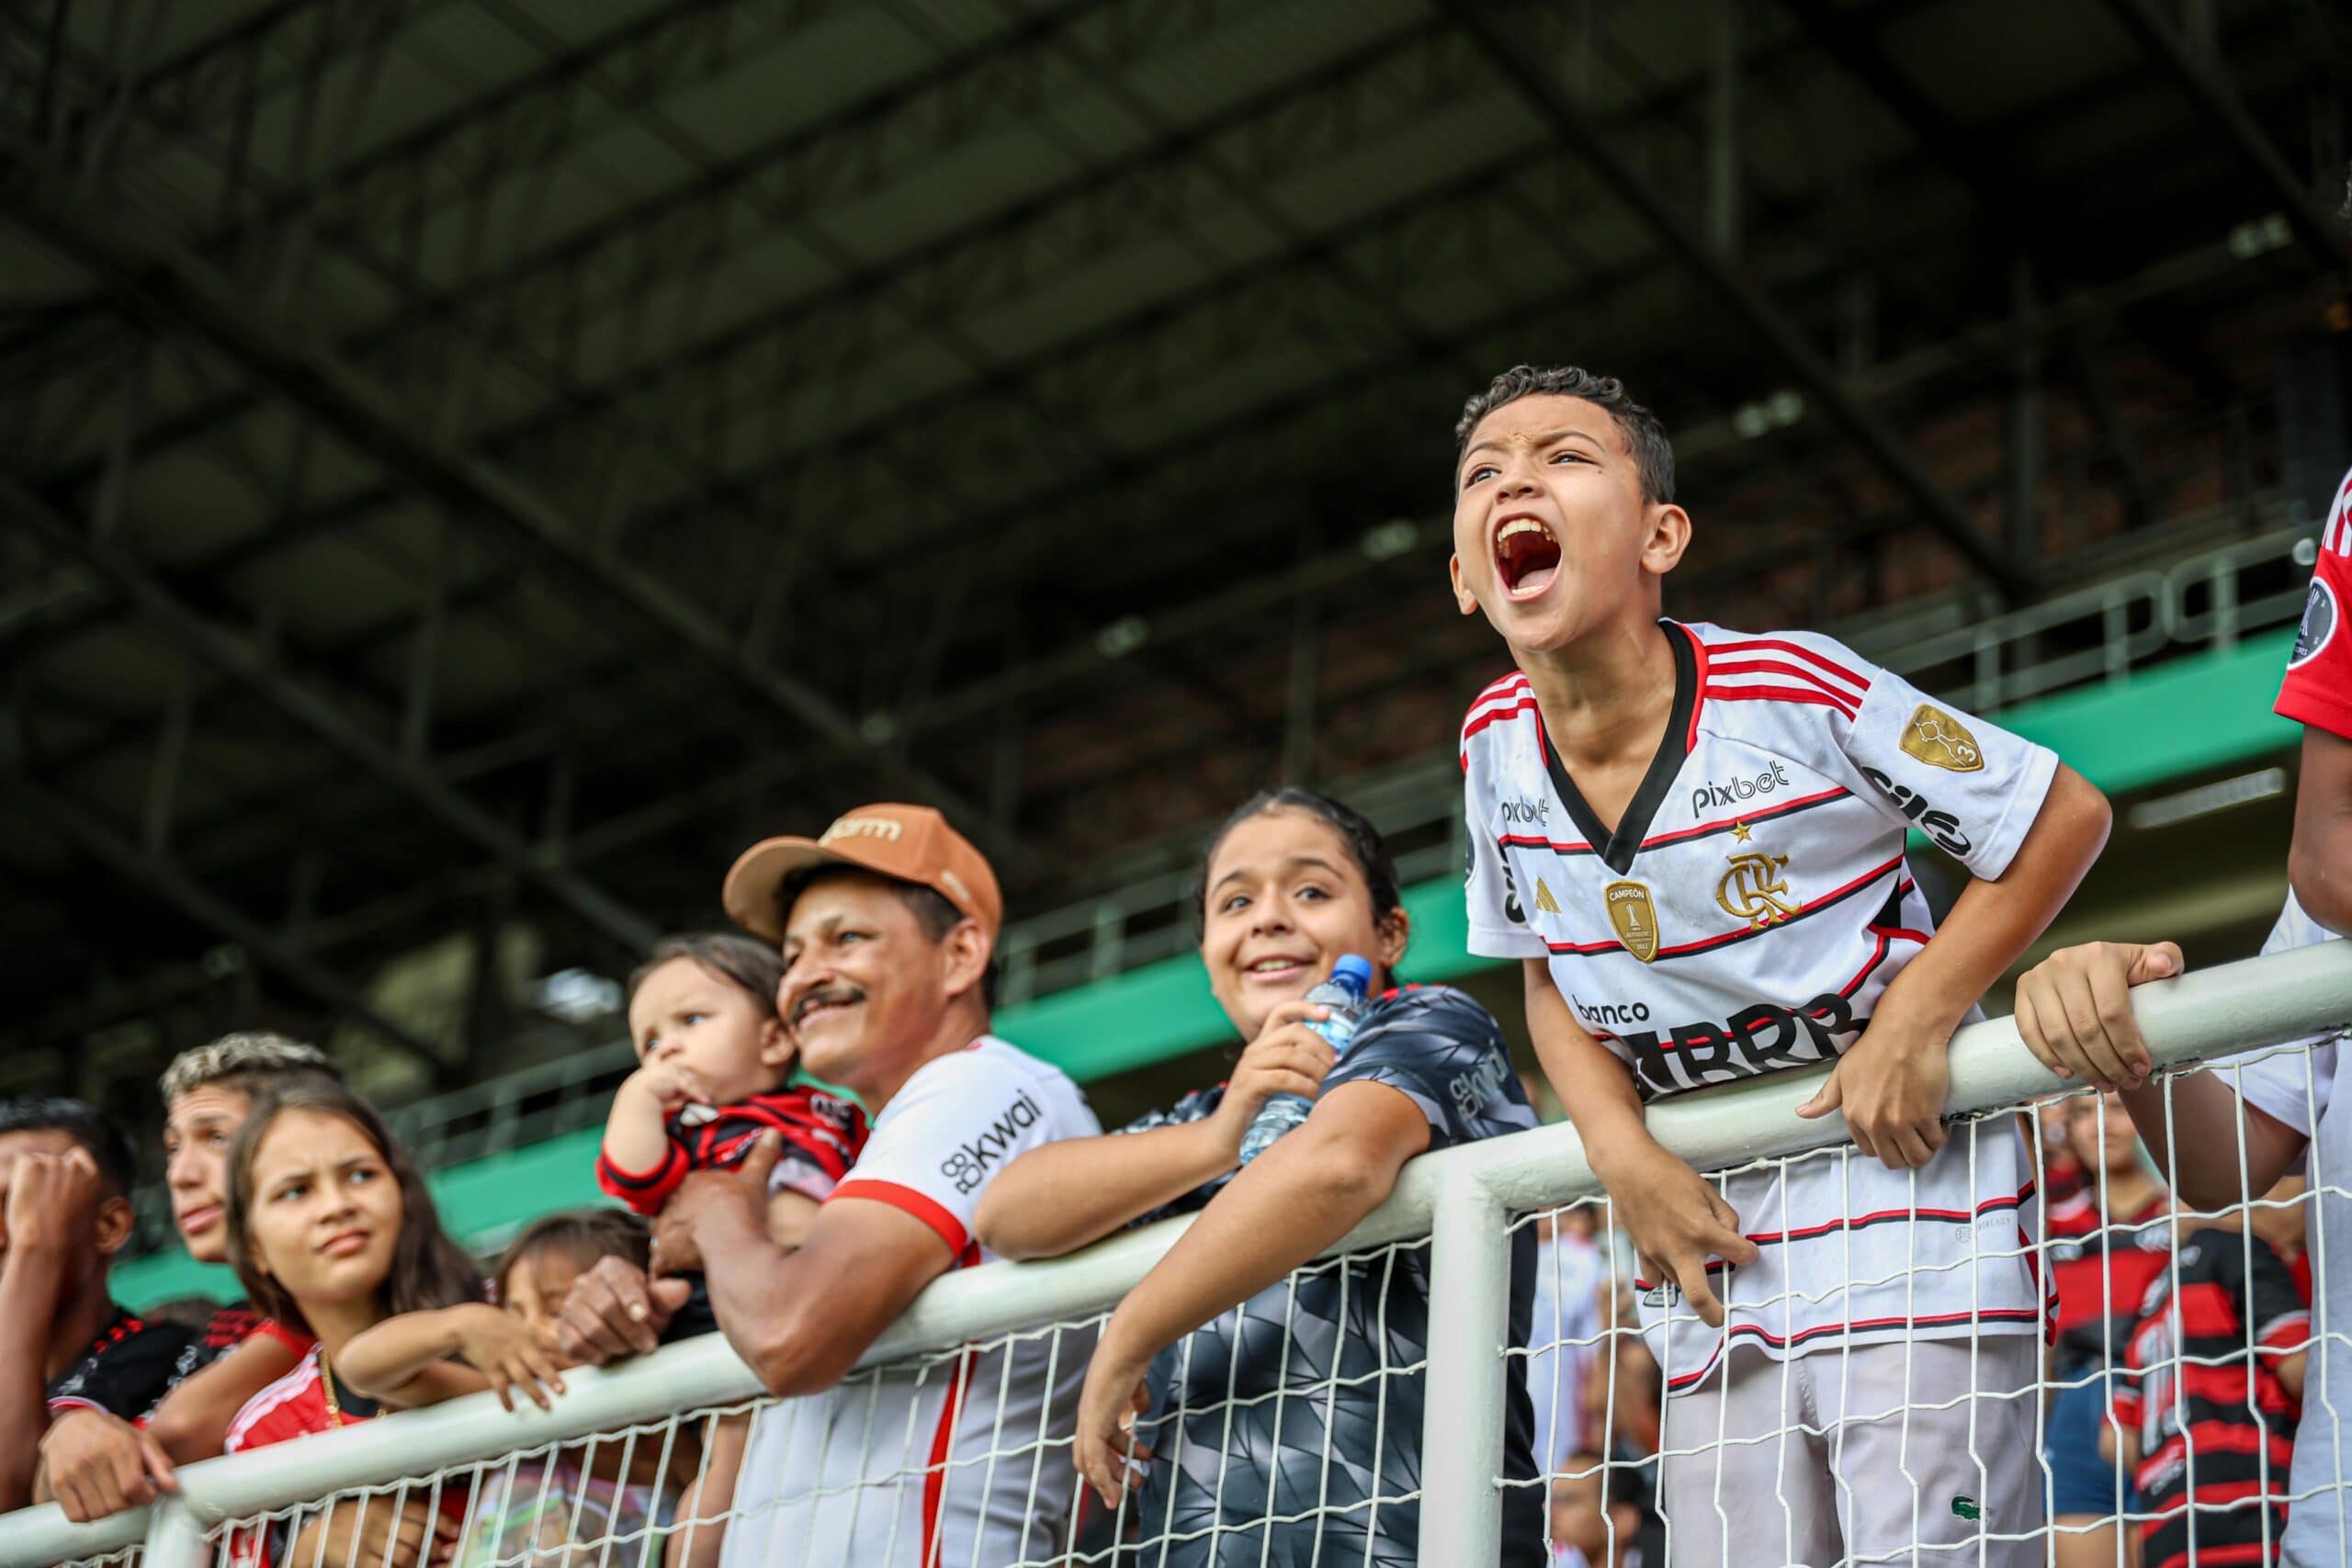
x=2178, y=718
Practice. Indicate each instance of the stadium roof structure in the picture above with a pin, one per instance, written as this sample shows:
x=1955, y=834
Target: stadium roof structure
x=480, y=463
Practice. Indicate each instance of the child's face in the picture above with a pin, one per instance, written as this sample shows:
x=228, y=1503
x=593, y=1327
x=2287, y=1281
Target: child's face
x=198, y=1131
x=537, y=1282
x=326, y=1213
x=2112, y=1145
x=685, y=1014
x=1551, y=536
x=1285, y=900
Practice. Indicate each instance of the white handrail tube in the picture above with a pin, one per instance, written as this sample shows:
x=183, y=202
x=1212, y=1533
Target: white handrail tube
x=2216, y=1012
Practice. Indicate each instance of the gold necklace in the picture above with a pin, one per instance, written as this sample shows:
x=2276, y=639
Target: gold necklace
x=326, y=1382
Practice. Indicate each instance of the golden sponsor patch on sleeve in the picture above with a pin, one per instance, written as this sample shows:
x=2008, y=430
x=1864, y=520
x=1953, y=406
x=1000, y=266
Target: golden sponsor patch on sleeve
x=1937, y=739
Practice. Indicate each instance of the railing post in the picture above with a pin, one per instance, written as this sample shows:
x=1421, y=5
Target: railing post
x=1461, y=1421
x=174, y=1537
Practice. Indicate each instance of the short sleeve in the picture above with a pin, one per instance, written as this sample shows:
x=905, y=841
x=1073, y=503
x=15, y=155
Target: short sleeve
x=1969, y=787
x=2290, y=1083
x=127, y=1375
x=1445, y=1054
x=948, y=1134
x=1497, y=922
x=2317, y=689
x=643, y=1190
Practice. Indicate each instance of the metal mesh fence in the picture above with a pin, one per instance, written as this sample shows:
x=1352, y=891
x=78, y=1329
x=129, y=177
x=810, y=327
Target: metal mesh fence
x=2149, y=1418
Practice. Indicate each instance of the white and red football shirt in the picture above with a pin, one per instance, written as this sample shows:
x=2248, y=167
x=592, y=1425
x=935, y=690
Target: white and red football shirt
x=2318, y=688
x=945, y=1462
x=1745, y=915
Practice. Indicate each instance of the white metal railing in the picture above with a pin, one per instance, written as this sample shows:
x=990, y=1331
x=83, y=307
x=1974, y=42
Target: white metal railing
x=1463, y=1199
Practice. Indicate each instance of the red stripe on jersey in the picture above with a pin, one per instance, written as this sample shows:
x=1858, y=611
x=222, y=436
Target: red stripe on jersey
x=1881, y=1216
x=1708, y=943
x=1782, y=667
x=1496, y=714
x=922, y=1205
x=1817, y=695
x=1700, y=658
x=1536, y=841
x=1782, y=644
x=1786, y=807
x=1905, y=933
x=1493, y=688
x=1870, y=967
x=934, y=1480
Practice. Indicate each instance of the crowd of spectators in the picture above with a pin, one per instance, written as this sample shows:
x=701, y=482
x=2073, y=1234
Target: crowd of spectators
x=358, y=1303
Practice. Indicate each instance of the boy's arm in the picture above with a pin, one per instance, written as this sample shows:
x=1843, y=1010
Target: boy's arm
x=1305, y=1193
x=1891, y=1082
x=47, y=1205
x=1676, y=1220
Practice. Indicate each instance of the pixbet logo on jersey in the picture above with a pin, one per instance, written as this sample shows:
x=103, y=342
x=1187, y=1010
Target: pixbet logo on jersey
x=1709, y=795
x=1526, y=813
x=969, y=1164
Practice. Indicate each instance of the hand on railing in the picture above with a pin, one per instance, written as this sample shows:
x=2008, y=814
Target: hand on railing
x=1677, y=1221
x=615, y=1311
x=99, y=1464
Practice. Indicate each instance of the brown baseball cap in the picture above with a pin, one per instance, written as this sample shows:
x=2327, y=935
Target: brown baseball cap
x=906, y=843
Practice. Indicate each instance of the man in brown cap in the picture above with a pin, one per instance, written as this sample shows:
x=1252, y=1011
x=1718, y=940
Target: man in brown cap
x=887, y=923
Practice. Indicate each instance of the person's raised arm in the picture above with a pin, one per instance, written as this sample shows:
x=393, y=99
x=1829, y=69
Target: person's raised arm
x=1309, y=1189
x=2319, y=861
x=1675, y=1217
x=407, y=1360
x=51, y=1202
x=2074, y=1013
x=1056, y=1199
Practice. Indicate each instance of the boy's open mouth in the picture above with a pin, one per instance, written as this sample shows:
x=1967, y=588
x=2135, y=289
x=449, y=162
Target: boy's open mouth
x=1527, y=557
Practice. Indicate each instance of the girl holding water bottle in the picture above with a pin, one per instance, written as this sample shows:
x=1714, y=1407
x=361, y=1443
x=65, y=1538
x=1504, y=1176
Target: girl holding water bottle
x=1212, y=1414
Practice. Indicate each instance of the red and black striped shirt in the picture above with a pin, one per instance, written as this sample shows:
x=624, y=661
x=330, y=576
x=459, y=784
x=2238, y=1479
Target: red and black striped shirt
x=822, y=1135
x=2217, y=1427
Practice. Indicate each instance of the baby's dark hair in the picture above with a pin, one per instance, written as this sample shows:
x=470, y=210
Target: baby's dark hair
x=586, y=1233
x=755, y=966
x=1365, y=846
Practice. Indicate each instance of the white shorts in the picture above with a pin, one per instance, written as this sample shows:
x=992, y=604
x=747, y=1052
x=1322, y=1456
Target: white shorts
x=1885, y=1453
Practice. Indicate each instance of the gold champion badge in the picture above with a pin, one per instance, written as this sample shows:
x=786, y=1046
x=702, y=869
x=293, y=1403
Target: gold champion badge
x=1633, y=917
x=1941, y=741
x=1750, y=888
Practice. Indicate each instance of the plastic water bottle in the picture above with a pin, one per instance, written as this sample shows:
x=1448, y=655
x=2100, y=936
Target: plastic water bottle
x=1345, y=994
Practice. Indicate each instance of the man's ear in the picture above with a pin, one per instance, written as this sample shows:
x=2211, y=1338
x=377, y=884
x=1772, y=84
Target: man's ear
x=111, y=1226
x=1670, y=536
x=1463, y=599
x=963, y=954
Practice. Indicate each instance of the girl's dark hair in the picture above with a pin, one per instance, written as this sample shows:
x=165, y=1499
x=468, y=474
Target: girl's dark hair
x=755, y=966
x=1364, y=844
x=428, y=1270
x=586, y=1233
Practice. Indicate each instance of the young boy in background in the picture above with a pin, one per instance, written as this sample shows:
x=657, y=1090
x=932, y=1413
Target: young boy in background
x=2207, y=1416
x=1694, y=840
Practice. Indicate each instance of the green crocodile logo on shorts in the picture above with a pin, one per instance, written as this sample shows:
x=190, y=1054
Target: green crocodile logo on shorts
x=1965, y=1506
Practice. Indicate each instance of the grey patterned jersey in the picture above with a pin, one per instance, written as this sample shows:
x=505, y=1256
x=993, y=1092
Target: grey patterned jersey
x=1295, y=1413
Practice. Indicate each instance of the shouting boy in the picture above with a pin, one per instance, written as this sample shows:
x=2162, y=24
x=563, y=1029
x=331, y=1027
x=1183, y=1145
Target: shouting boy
x=1694, y=840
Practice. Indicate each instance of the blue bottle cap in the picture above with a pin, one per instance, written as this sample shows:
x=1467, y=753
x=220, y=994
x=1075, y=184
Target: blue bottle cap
x=1354, y=969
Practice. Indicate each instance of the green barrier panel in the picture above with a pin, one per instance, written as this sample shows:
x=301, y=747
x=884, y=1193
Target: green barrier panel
x=2181, y=717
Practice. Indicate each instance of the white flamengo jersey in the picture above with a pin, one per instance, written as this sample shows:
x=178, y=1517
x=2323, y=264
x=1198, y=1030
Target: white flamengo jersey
x=942, y=1465
x=1751, y=906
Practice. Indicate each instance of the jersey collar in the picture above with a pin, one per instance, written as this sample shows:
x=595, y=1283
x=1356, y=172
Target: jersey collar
x=1617, y=850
